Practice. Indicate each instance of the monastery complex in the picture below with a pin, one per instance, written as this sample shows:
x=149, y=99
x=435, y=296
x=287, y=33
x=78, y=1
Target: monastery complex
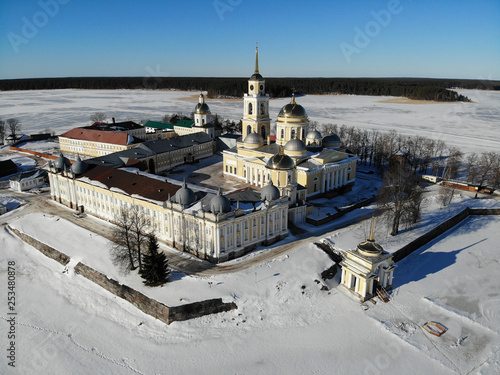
x=280, y=175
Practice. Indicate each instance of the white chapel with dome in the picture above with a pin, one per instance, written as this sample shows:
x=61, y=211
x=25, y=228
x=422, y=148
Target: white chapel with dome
x=300, y=163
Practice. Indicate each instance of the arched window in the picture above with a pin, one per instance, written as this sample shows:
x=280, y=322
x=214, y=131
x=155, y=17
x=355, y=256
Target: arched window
x=303, y=133
x=249, y=129
x=293, y=134
x=263, y=131
x=262, y=108
x=203, y=121
x=282, y=133
x=250, y=108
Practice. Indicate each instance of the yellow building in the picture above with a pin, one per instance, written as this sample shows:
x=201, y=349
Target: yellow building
x=308, y=165
x=91, y=142
x=211, y=226
x=367, y=268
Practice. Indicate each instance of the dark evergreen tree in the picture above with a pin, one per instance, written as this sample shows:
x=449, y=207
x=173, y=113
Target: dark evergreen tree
x=154, y=265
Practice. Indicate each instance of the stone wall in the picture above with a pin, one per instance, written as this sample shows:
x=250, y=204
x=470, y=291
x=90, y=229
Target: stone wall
x=147, y=305
x=197, y=309
x=484, y=211
x=440, y=229
x=48, y=251
x=139, y=300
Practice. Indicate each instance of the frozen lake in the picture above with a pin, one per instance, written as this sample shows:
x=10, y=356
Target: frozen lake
x=470, y=126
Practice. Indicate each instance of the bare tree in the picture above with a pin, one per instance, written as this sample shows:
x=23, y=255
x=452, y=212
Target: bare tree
x=14, y=126
x=139, y=224
x=400, y=197
x=487, y=165
x=2, y=131
x=472, y=164
x=446, y=195
x=166, y=119
x=123, y=251
x=98, y=117
x=452, y=162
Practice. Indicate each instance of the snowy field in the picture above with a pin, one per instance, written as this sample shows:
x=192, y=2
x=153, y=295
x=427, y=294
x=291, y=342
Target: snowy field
x=284, y=323
x=466, y=125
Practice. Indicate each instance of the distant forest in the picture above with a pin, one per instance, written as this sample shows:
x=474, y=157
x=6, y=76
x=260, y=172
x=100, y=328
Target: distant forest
x=413, y=88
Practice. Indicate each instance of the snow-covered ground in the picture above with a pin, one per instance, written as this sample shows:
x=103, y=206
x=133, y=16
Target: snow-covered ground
x=284, y=323
x=22, y=162
x=465, y=125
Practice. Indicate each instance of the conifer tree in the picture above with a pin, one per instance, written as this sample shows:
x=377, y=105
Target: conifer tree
x=154, y=265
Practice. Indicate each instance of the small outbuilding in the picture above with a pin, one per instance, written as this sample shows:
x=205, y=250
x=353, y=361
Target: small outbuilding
x=367, y=269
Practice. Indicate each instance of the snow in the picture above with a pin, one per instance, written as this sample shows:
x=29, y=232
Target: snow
x=465, y=125
x=66, y=324
x=279, y=327
x=23, y=163
x=47, y=146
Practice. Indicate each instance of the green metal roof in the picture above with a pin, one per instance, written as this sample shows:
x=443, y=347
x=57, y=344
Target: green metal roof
x=185, y=123
x=162, y=125
x=158, y=125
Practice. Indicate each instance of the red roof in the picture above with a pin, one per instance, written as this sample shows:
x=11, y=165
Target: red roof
x=115, y=138
x=131, y=183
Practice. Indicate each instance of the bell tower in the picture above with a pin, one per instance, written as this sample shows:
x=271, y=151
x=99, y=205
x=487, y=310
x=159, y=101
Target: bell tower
x=256, y=105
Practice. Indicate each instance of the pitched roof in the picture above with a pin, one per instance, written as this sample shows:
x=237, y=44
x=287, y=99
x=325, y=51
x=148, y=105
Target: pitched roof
x=131, y=183
x=158, y=125
x=150, y=148
x=115, y=126
x=103, y=136
x=164, y=125
x=185, y=123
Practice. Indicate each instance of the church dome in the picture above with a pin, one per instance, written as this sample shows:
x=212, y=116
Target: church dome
x=293, y=110
x=269, y=192
x=61, y=162
x=280, y=161
x=295, y=146
x=79, y=166
x=202, y=108
x=332, y=141
x=313, y=135
x=253, y=140
x=220, y=204
x=256, y=77
x=184, y=196
x=370, y=247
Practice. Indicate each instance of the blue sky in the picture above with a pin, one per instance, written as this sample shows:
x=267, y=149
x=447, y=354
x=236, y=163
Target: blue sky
x=336, y=38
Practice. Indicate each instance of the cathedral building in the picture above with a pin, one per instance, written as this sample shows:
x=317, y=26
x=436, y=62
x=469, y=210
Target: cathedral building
x=209, y=225
x=213, y=226
x=301, y=163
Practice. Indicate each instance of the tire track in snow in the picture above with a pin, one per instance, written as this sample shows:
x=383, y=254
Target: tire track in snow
x=92, y=350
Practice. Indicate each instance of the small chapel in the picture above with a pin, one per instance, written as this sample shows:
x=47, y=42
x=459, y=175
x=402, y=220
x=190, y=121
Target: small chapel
x=367, y=268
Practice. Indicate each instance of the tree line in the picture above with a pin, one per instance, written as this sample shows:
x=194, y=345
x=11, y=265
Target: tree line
x=403, y=159
x=414, y=88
